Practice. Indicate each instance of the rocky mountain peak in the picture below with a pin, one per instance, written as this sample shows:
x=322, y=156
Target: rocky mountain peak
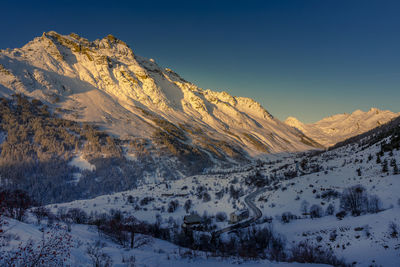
x=103, y=82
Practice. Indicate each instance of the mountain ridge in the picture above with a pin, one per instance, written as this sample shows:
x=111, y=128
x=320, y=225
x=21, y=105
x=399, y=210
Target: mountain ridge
x=339, y=127
x=104, y=82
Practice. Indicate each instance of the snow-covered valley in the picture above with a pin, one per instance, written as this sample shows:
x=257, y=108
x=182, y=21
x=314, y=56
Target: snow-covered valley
x=362, y=239
x=303, y=200
x=107, y=159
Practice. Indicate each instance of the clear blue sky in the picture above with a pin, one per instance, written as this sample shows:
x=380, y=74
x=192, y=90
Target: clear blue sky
x=304, y=58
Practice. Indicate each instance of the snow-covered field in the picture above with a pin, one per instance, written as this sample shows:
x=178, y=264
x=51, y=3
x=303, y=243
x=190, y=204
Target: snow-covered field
x=364, y=239
x=154, y=252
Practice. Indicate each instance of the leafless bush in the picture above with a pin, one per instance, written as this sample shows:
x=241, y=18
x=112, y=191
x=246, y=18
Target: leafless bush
x=304, y=252
x=354, y=199
x=52, y=250
x=304, y=206
x=330, y=194
x=97, y=255
x=173, y=205
x=315, y=211
x=40, y=213
x=286, y=217
x=330, y=210
x=393, y=229
x=142, y=240
x=206, y=197
x=77, y=215
x=129, y=261
x=374, y=204
x=146, y=200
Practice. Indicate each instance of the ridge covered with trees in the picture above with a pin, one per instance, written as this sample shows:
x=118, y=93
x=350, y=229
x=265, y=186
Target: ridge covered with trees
x=37, y=148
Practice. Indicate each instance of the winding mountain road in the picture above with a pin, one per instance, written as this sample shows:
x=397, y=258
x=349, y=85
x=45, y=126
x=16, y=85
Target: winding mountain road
x=250, y=204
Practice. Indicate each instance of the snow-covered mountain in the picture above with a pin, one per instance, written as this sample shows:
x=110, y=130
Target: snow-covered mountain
x=104, y=82
x=123, y=202
x=339, y=127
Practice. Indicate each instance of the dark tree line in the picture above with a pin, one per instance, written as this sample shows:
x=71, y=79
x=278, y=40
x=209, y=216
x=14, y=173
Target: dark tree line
x=38, y=147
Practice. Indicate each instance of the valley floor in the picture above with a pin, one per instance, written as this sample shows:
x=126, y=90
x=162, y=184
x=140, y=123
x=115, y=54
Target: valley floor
x=363, y=240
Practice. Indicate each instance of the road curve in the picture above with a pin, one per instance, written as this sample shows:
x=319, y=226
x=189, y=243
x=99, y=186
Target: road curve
x=256, y=214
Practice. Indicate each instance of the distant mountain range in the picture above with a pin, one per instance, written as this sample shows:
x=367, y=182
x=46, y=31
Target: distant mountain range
x=337, y=128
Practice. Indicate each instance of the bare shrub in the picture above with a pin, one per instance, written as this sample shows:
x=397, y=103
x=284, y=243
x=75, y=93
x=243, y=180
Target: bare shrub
x=307, y=253
x=341, y=214
x=354, y=199
x=52, y=250
x=129, y=261
x=40, y=213
x=146, y=200
x=206, y=197
x=330, y=210
x=286, y=217
x=173, y=205
x=97, y=255
x=315, y=211
x=304, y=207
x=393, y=229
x=77, y=215
x=374, y=204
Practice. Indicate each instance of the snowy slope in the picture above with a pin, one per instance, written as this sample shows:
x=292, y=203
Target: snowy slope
x=364, y=239
x=339, y=127
x=154, y=252
x=106, y=83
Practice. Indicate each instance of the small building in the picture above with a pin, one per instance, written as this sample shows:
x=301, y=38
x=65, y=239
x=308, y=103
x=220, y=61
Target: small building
x=238, y=215
x=191, y=220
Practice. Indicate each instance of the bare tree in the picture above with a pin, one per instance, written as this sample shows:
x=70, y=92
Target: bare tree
x=40, y=213
x=354, y=199
x=374, y=204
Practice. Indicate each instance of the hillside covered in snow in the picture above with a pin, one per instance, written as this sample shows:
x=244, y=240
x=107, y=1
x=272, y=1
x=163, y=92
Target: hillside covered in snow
x=339, y=127
x=338, y=207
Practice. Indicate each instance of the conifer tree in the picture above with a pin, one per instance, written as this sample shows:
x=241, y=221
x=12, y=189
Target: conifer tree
x=385, y=166
x=395, y=169
x=378, y=159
